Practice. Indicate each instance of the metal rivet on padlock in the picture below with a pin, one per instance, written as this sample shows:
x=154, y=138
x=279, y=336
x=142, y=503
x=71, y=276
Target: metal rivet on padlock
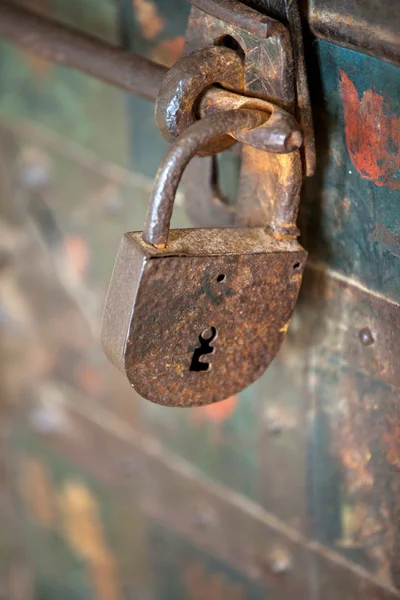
x=194, y=316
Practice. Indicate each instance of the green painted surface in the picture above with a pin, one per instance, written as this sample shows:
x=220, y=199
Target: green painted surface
x=63, y=100
x=351, y=219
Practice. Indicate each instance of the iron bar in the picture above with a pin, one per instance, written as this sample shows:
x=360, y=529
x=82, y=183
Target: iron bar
x=71, y=48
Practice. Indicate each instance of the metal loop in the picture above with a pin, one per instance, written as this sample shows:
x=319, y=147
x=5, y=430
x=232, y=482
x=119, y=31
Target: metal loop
x=280, y=134
x=170, y=172
x=184, y=83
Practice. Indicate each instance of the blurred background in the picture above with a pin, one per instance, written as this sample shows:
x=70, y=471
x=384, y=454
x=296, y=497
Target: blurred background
x=290, y=490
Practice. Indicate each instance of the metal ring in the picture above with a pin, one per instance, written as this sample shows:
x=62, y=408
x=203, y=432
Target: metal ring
x=280, y=134
x=184, y=83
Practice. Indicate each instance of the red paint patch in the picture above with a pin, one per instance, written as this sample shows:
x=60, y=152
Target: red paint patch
x=168, y=51
x=150, y=21
x=372, y=134
x=89, y=379
x=78, y=254
x=218, y=412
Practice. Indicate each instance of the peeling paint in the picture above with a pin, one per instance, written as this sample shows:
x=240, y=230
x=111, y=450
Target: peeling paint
x=168, y=51
x=84, y=531
x=372, y=134
x=38, y=491
x=389, y=241
x=150, y=21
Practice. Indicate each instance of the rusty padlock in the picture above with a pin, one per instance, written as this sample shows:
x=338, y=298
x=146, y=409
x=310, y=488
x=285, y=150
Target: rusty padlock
x=194, y=316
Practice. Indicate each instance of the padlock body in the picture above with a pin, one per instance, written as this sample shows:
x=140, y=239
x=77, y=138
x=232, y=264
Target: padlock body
x=235, y=287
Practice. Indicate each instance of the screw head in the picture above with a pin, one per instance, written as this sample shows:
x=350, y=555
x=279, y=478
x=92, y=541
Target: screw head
x=366, y=337
x=279, y=561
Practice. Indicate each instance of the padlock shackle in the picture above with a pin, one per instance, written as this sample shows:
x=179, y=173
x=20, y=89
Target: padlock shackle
x=180, y=153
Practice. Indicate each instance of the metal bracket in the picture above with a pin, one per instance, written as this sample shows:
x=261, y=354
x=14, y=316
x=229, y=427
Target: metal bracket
x=274, y=70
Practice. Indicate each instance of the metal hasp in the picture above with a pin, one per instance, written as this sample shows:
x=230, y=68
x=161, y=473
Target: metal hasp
x=271, y=53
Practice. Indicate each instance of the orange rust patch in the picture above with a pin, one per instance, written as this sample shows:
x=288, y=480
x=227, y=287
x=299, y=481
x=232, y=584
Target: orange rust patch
x=346, y=205
x=391, y=439
x=38, y=491
x=78, y=254
x=349, y=439
x=167, y=52
x=103, y=574
x=372, y=134
x=84, y=532
x=218, y=412
x=200, y=583
x=390, y=241
x=150, y=21
x=40, y=66
x=89, y=379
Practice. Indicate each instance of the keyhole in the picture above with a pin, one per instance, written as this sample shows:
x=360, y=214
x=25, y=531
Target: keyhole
x=205, y=339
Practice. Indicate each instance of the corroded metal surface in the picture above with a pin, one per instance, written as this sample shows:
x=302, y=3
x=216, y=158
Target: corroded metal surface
x=274, y=132
x=170, y=172
x=279, y=134
x=268, y=180
x=366, y=333
x=263, y=26
x=240, y=283
x=261, y=80
x=185, y=95
x=184, y=83
x=370, y=26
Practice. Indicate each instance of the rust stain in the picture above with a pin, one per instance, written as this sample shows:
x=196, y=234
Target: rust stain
x=349, y=439
x=103, y=574
x=77, y=255
x=167, y=52
x=346, y=205
x=40, y=66
x=368, y=515
x=200, y=583
x=84, y=532
x=38, y=490
x=372, y=134
x=358, y=524
x=391, y=439
x=286, y=325
x=150, y=21
x=89, y=379
x=218, y=412
x=390, y=241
